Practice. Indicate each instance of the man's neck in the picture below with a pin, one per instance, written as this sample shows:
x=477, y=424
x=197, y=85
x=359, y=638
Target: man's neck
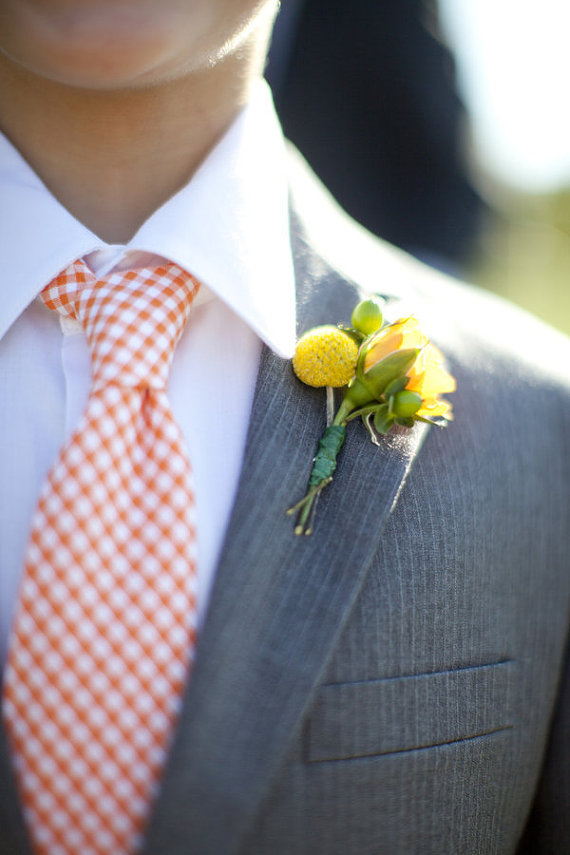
x=113, y=158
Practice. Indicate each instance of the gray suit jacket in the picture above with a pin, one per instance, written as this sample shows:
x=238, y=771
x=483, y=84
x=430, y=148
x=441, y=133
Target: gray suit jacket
x=388, y=684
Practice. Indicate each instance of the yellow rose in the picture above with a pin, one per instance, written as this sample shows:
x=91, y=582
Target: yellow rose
x=398, y=358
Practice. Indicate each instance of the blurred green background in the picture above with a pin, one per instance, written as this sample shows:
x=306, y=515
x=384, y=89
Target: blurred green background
x=513, y=68
x=525, y=252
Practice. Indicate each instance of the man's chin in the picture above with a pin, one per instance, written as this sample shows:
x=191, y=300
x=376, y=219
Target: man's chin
x=92, y=46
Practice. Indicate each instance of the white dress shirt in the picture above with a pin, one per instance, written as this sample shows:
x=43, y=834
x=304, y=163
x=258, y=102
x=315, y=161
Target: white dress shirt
x=230, y=228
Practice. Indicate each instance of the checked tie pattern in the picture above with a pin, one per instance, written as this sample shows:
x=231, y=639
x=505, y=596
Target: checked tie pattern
x=105, y=627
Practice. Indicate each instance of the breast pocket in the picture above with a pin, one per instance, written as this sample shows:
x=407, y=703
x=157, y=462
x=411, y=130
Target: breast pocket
x=399, y=714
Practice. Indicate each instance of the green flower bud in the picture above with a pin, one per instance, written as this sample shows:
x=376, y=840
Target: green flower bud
x=367, y=316
x=405, y=404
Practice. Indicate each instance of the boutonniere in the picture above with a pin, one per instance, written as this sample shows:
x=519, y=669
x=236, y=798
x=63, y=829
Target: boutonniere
x=392, y=375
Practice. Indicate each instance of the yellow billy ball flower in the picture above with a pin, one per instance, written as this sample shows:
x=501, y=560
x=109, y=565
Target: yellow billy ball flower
x=325, y=356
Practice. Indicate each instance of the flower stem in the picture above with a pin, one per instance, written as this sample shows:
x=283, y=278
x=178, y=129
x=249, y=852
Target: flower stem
x=343, y=412
x=322, y=472
x=306, y=508
x=330, y=405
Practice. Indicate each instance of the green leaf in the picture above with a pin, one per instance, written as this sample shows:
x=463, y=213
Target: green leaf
x=383, y=373
x=357, y=336
x=383, y=421
x=395, y=386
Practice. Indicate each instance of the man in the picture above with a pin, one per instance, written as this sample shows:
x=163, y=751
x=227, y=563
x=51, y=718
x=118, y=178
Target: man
x=389, y=683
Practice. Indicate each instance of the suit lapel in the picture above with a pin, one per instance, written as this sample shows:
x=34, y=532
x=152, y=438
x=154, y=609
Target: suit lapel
x=279, y=601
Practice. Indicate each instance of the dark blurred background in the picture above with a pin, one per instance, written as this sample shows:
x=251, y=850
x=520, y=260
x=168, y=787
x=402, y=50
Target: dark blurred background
x=369, y=91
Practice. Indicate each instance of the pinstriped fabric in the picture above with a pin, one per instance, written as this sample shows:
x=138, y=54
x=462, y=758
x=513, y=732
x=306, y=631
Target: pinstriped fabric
x=105, y=629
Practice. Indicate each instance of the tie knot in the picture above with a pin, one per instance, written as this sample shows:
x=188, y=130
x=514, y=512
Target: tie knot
x=132, y=319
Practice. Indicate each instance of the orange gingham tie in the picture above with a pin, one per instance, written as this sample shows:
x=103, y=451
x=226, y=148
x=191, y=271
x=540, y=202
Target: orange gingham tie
x=105, y=628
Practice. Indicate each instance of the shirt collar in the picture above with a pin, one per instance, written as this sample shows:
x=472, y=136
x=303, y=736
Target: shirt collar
x=229, y=227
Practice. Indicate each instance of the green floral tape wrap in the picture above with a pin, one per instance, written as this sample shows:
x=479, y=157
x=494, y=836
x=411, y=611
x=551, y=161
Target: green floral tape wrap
x=330, y=444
